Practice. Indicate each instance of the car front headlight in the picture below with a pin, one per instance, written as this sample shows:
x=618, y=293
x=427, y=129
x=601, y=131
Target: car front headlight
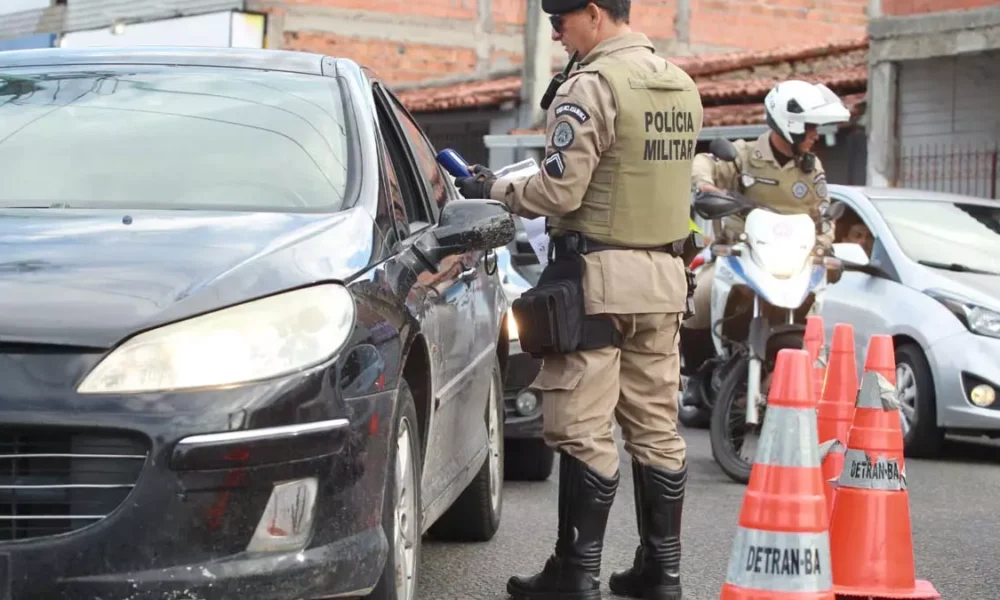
x=977, y=319
x=258, y=340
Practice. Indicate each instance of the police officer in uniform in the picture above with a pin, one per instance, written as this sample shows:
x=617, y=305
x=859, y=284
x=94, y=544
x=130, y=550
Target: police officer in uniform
x=615, y=186
x=777, y=170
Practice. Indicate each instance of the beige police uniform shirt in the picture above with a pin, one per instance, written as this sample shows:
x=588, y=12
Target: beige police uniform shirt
x=614, y=281
x=725, y=175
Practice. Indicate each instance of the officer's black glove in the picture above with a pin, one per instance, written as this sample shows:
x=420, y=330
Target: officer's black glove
x=478, y=185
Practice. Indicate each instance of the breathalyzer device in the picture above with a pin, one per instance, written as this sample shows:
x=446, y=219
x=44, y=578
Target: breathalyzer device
x=453, y=163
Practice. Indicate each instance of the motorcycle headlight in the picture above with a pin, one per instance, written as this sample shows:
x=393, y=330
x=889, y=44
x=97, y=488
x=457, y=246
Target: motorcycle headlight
x=977, y=319
x=254, y=341
x=781, y=260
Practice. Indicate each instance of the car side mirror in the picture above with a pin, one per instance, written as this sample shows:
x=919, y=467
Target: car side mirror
x=852, y=256
x=468, y=226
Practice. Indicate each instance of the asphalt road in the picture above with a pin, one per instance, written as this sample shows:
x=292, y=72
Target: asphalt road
x=956, y=530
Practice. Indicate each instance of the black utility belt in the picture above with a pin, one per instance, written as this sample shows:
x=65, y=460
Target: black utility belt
x=572, y=243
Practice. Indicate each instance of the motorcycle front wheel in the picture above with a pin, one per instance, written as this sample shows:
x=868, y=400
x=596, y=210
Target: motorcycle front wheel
x=729, y=432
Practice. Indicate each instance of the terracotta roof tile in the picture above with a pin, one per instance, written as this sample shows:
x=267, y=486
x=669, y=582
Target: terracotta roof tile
x=721, y=78
x=700, y=66
x=462, y=95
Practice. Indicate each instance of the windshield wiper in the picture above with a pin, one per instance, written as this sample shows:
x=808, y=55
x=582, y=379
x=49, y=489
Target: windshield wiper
x=958, y=268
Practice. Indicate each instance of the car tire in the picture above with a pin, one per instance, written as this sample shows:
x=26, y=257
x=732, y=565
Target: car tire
x=475, y=515
x=925, y=438
x=405, y=424
x=528, y=460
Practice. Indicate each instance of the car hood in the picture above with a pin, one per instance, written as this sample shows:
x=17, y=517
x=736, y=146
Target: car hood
x=90, y=278
x=981, y=289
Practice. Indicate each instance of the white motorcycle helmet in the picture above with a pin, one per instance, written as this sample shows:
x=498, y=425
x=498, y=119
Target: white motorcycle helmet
x=793, y=104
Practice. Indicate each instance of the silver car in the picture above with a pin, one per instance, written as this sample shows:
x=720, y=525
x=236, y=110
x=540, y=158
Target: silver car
x=932, y=282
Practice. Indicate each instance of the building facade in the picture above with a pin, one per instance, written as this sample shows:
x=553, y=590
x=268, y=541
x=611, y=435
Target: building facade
x=934, y=80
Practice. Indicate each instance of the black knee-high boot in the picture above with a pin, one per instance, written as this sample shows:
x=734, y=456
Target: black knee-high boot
x=655, y=572
x=573, y=572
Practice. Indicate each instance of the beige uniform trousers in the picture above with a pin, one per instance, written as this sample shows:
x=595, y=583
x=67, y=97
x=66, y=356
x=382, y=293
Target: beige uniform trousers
x=644, y=293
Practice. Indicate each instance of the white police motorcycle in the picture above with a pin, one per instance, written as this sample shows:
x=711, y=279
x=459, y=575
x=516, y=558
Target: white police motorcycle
x=763, y=288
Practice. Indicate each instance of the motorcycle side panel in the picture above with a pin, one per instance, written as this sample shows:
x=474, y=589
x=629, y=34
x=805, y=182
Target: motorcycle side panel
x=724, y=280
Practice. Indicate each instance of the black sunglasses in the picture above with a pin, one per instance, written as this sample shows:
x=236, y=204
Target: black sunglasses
x=557, y=20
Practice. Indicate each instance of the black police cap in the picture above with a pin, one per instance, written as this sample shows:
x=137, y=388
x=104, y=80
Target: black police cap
x=558, y=7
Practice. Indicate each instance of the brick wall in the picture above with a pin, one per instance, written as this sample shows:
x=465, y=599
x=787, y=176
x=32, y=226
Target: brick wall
x=433, y=39
x=900, y=8
x=763, y=24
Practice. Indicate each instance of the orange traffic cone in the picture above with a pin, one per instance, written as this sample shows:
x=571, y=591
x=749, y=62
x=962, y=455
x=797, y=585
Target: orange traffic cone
x=870, y=531
x=836, y=407
x=782, y=546
x=813, y=341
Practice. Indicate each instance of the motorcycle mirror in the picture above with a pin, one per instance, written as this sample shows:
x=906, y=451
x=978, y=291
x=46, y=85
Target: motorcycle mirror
x=723, y=149
x=711, y=206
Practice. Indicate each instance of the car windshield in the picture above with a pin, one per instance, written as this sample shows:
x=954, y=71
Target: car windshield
x=946, y=234
x=166, y=137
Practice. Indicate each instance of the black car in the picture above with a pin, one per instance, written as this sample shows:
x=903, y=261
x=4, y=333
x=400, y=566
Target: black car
x=526, y=456
x=252, y=339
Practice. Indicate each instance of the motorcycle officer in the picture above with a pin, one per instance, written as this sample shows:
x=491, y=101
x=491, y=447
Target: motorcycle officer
x=777, y=170
x=615, y=186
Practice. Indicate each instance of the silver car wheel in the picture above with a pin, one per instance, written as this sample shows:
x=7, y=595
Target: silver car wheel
x=493, y=422
x=906, y=388
x=405, y=515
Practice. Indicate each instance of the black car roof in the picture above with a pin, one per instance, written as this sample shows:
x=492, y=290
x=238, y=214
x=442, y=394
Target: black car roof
x=246, y=58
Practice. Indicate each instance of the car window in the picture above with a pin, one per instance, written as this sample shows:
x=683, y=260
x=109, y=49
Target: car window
x=853, y=227
x=411, y=190
x=440, y=185
x=173, y=137
x=945, y=232
x=391, y=199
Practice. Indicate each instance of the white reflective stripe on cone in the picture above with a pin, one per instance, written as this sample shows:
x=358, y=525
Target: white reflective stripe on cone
x=862, y=473
x=788, y=438
x=780, y=562
x=829, y=446
x=877, y=393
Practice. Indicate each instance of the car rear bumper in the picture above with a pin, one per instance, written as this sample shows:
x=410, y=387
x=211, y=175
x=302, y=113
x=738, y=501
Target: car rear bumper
x=958, y=364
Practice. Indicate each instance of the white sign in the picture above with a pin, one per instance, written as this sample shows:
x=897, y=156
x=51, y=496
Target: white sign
x=228, y=29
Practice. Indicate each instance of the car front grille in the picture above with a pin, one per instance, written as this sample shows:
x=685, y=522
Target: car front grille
x=54, y=481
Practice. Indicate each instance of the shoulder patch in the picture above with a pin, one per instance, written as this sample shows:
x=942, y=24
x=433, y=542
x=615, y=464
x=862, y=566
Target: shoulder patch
x=562, y=135
x=555, y=165
x=799, y=190
x=821, y=190
x=574, y=110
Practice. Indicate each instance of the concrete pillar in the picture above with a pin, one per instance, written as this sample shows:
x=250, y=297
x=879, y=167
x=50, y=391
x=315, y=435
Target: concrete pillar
x=682, y=23
x=883, y=143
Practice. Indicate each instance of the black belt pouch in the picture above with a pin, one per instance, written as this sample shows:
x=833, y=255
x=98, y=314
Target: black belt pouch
x=550, y=316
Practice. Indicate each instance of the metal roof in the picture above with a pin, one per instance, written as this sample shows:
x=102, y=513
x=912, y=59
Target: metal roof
x=80, y=15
